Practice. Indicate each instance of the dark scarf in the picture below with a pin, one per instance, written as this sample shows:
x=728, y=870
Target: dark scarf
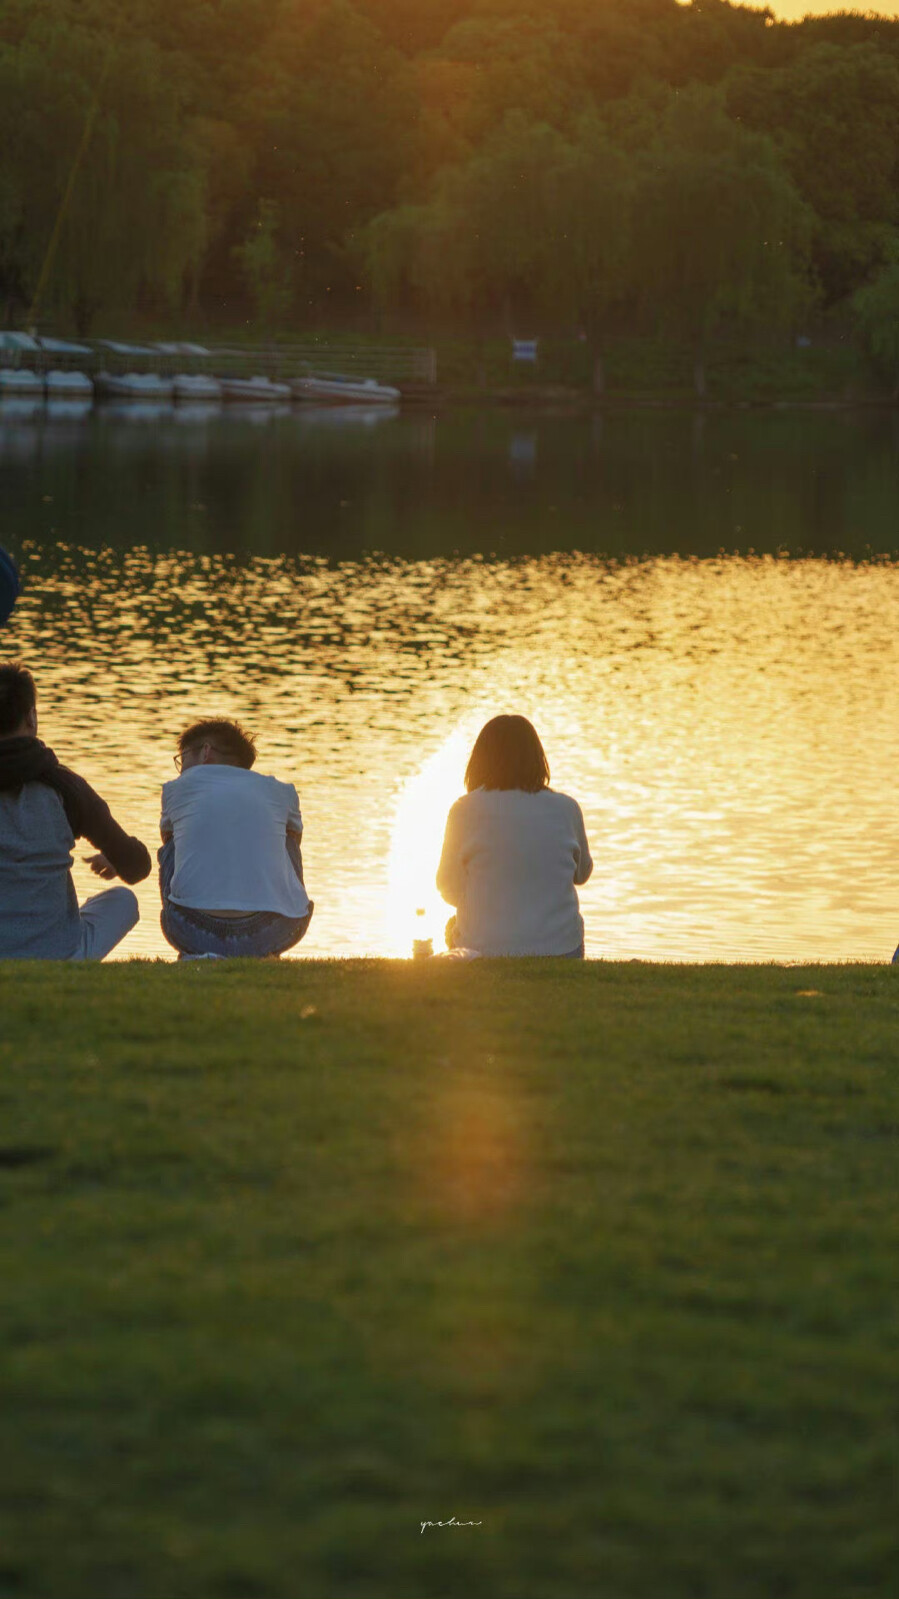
x=26, y=760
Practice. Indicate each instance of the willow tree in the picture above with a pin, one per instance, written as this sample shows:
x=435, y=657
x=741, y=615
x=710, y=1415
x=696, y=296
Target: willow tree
x=834, y=116
x=595, y=199
x=105, y=198
x=534, y=229
x=330, y=109
x=876, y=311
x=719, y=228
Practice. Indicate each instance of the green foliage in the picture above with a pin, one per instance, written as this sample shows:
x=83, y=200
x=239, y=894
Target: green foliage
x=719, y=227
x=103, y=196
x=329, y=113
x=488, y=160
x=535, y=226
x=265, y=268
x=876, y=309
x=834, y=113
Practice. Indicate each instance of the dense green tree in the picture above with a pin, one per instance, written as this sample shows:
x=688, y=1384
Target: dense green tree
x=523, y=64
x=534, y=229
x=834, y=113
x=596, y=197
x=265, y=267
x=103, y=189
x=413, y=26
x=719, y=228
x=504, y=161
x=876, y=310
x=332, y=115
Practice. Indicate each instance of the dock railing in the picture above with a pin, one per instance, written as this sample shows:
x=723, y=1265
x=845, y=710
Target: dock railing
x=391, y=363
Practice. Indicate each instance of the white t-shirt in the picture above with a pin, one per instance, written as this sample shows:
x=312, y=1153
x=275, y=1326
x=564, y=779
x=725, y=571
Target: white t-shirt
x=230, y=829
x=509, y=865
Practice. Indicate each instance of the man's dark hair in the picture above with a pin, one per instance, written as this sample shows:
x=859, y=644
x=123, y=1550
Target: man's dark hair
x=17, y=696
x=236, y=746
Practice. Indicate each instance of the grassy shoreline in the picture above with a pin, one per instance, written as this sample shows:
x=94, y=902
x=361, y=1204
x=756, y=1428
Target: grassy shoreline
x=299, y=1256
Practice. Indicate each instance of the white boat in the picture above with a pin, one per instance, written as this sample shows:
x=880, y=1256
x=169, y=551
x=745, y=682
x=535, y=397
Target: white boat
x=196, y=387
x=68, y=386
x=64, y=348
x=254, y=389
x=18, y=344
x=132, y=386
x=18, y=380
x=65, y=380
x=115, y=347
x=329, y=388
x=179, y=347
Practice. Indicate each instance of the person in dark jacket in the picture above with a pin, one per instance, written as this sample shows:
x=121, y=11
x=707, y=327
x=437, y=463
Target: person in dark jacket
x=44, y=807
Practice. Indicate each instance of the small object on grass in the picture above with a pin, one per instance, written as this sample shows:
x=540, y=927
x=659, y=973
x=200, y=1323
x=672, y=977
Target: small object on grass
x=422, y=948
x=10, y=588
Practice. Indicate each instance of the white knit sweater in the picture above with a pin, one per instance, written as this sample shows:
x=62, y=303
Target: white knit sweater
x=510, y=863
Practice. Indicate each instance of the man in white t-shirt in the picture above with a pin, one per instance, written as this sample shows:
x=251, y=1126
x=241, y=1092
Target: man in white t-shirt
x=230, y=866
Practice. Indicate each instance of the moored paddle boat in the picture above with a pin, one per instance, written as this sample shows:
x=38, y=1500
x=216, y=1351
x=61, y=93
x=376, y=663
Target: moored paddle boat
x=330, y=388
x=62, y=362
x=68, y=386
x=20, y=381
x=132, y=386
x=254, y=389
x=195, y=388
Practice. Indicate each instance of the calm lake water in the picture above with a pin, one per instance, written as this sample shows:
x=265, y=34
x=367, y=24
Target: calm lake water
x=700, y=614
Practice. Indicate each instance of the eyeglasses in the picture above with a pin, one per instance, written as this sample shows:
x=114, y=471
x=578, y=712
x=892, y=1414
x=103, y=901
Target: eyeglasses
x=179, y=758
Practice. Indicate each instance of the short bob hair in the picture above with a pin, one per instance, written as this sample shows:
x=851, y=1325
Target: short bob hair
x=17, y=696
x=508, y=754
x=233, y=742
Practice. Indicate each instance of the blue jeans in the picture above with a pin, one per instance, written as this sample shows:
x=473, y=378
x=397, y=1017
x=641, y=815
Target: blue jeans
x=257, y=935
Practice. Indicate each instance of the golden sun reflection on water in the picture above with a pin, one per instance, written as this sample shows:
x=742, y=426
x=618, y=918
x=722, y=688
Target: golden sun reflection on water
x=728, y=727
x=415, y=910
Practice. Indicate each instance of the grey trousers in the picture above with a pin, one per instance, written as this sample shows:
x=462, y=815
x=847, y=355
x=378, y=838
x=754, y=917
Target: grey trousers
x=105, y=919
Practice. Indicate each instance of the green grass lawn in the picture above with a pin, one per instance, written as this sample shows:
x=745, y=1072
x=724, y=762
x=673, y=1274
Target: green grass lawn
x=298, y=1256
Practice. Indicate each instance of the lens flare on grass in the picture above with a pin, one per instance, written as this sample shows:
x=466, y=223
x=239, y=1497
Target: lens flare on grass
x=415, y=847
x=477, y=1165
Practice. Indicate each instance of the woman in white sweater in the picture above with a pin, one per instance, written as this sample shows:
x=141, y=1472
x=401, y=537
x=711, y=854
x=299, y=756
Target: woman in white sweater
x=513, y=851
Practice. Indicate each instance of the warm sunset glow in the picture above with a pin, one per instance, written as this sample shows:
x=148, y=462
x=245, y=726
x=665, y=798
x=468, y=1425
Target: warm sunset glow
x=795, y=10
x=727, y=726
x=472, y=1158
x=415, y=849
